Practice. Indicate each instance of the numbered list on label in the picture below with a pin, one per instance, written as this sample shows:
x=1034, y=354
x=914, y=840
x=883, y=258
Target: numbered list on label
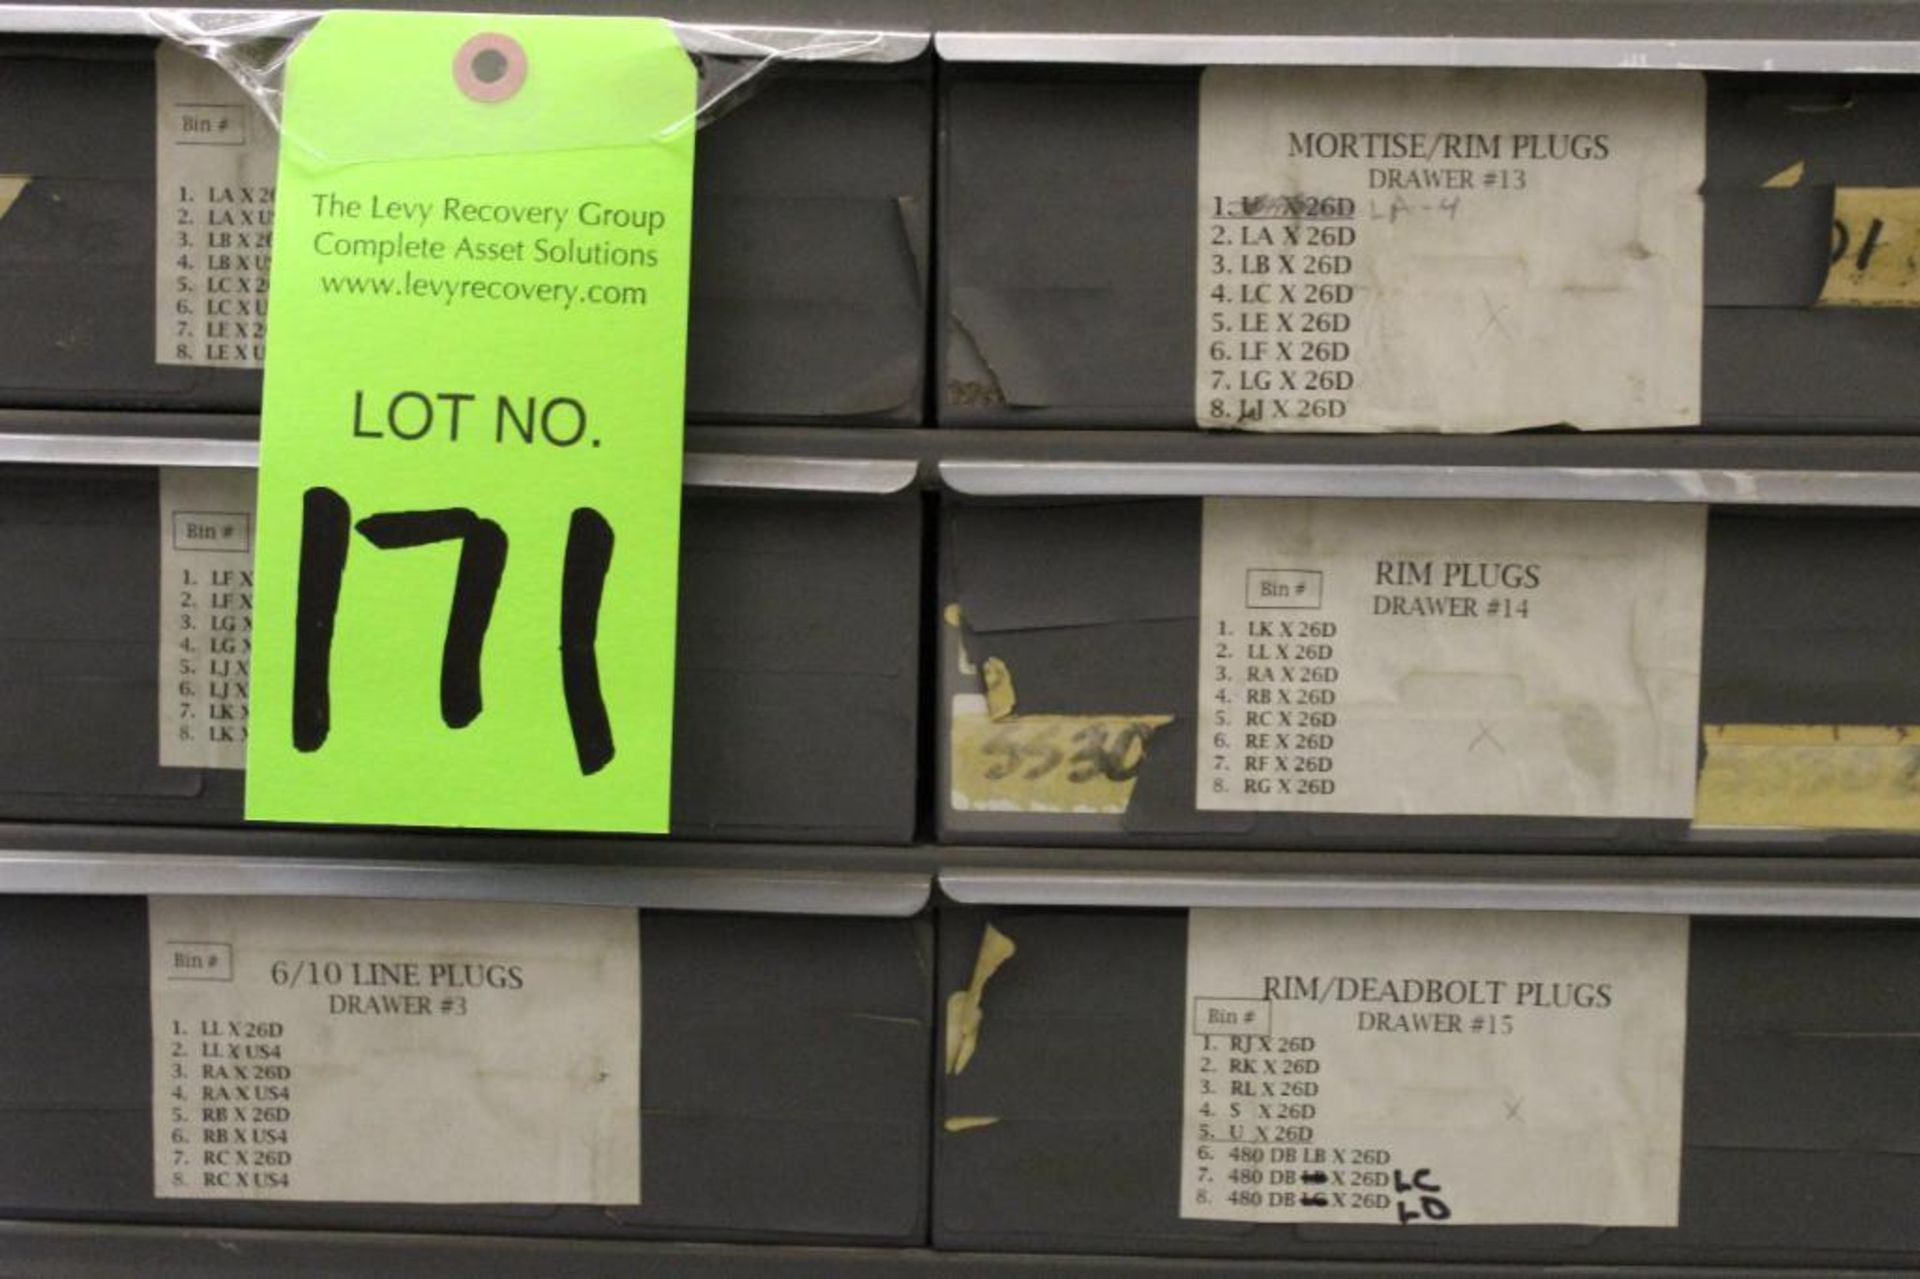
x=1428, y=249
x=1449, y=657
x=215, y=160
x=206, y=615
x=390, y=1051
x=1429, y=1067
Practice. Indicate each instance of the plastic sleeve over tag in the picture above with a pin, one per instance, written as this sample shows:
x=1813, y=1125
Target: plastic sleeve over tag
x=254, y=47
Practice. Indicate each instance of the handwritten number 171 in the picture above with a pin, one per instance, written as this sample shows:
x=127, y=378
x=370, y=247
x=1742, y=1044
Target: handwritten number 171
x=326, y=526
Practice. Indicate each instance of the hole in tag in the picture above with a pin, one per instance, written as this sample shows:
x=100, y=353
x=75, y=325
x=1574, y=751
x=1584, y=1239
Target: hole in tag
x=490, y=67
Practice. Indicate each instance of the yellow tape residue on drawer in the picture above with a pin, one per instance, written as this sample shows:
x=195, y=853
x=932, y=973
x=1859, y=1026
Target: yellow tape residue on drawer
x=965, y=1012
x=1787, y=177
x=1828, y=776
x=1876, y=248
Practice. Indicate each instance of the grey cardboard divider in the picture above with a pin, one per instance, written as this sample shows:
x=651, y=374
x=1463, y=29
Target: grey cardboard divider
x=809, y=278
x=1811, y=617
x=799, y=625
x=1068, y=236
x=783, y=1084
x=1800, y=1143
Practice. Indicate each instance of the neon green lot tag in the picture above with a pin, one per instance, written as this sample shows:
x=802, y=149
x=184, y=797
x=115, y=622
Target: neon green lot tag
x=471, y=438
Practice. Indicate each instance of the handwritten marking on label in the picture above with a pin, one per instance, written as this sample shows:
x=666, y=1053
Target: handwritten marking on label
x=1433, y=1067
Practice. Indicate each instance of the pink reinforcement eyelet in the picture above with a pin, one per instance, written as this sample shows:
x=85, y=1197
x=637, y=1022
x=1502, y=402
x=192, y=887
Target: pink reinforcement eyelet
x=490, y=67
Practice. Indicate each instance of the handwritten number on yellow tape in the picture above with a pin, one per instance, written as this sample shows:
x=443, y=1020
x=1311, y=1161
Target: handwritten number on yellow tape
x=1876, y=248
x=1048, y=763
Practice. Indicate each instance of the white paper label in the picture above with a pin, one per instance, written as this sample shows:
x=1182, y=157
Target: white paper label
x=1488, y=658
x=395, y=1051
x=1429, y=1067
x=215, y=166
x=206, y=615
x=1388, y=249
